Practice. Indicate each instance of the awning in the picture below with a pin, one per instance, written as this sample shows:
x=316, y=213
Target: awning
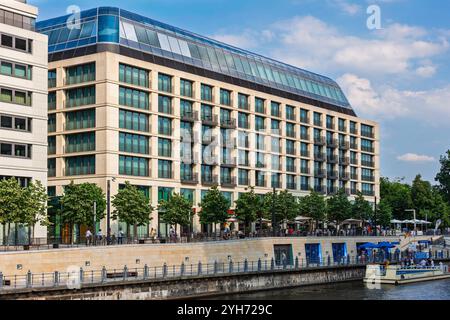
x=368, y=245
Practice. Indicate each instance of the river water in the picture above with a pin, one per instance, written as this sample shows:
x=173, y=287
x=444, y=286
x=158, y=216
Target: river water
x=356, y=290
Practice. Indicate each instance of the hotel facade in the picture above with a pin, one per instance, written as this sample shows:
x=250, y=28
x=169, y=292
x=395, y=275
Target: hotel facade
x=133, y=99
x=23, y=102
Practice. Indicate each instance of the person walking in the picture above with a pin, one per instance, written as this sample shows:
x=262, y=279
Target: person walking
x=120, y=236
x=153, y=235
x=99, y=236
x=88, y=237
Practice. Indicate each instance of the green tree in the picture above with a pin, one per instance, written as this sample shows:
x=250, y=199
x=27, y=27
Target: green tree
x=313, y=206
x=177, y=210
x=34, y=203
x=361, y=208
x=214, y=207
x=439, y=209
x=384, y=213
x=11, y=204
x=77, y=205
x=249, y=207
x=339, y=208
x=398, y=196
x=421, y=194
x=443, y=177
x=132, y=207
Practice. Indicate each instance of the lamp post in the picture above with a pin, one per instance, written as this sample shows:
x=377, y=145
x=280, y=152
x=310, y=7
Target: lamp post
x=274, y=232
x=108, y=207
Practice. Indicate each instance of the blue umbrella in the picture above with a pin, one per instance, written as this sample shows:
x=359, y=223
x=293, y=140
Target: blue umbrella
x=368, y=245
x=386, y=245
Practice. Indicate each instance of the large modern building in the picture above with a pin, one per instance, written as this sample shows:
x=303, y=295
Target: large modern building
x=23, y=100
x=133, y=99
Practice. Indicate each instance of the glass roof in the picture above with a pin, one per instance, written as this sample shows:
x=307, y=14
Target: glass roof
x=107, y=24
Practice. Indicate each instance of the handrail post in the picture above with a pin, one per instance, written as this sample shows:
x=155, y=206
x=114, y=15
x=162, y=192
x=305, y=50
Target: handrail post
x=246, y=265
x=104, y=274
x=81, y=275
x=125, y=273
x=329, y=260
x=215, y=266
x=146, y=271
x=272, y=264
x=230, y=267
x=296, y=262
x=56, y=278
x=164, y=270
x=259, y=265
x=199, y=268
x=1, y=280
x=29, y=279
x=182, y=269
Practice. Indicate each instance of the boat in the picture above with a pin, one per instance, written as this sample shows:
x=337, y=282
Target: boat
x=397, y=275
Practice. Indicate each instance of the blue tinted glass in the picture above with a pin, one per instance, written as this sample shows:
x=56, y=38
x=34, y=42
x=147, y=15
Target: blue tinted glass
x=108, y=29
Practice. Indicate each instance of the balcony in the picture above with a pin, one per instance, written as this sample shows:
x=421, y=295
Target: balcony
x=228, y=182
x=368, y=178
x=319, y=141
x=320, y=157
x=333, y=175
x=209, y=180
x=229, y=162
x=210, y=160
x=368, y=193
x=304, y=136
x=320, y=173
x=344, y=176
x=332, y=159
x=353, y=131
x=368, y=149
x=304, y=120
x=290, y=134
x=354, y=146
x=332, y=143
x=354, y=176
x=291, y=169
x=304, y=153
x=208, y=139
x=368, y=134
x=190, y=158
x=210, y=120
x=304, y=187
x=291, y=151
x=304, y=170
x=190, y=178
x=344, y=145
x=291, y=186
x=189, y=136
x=354, y=161
x=368, y=164
x=190, y=116
x=320, y=189
x=344, y=161
x=228, y=123
x=332, y=191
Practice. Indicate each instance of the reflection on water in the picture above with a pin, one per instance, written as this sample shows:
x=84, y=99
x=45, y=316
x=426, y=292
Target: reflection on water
x=356, y=290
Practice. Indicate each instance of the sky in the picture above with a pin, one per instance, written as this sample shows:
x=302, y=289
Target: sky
x=397, y=74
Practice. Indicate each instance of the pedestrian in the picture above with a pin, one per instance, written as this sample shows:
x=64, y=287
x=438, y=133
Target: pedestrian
x=153, y=235
x=88, y=237
x=120, y=236
x=99, y=236
x=173, y=235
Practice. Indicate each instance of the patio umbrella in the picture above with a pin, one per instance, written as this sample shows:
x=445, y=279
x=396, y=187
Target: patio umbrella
x=368, y=245
x=301, y=218
x=396, y=221
x=385, y=244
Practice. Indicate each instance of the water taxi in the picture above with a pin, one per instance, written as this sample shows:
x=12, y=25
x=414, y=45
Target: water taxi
x=395, y=274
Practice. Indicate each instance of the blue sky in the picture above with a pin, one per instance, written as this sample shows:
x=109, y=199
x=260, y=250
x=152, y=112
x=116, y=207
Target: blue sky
x=398, y=75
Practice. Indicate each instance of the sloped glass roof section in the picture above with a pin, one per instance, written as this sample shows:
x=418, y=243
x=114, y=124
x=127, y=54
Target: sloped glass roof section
x=113, y=25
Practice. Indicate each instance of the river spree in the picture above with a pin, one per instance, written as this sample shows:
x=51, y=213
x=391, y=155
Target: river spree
x=356, y=290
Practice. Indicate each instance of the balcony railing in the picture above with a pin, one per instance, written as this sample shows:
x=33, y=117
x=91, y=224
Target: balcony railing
x=291, y=134
x=304, y=170
x=209, y=180
x=320, y=173
x=332, y=143
x=291, y=169
x=228, y=182
x=344, y=161
x=369, y=193
x=304, y=136
x=353, y=131
x=332, y=159
x=319, y=140
x=320, y=189
x=210, y=120
x=344, y=145
x=291, y=186
x=367, y=134
x=320, y=156
x=368, y=164
x=354, y=176
x=368, y=149
x=344, y=176
x=332, y=191
x=191, y=178
x=291, y=151
x=305, y=187
x=229, y=162
x=368, y=178
x=354, y=146
x=208, y=138
x=304, y=120
x=190, y=116
x=228, y=123
x=332, y=175
x=354, y=161
x=304, y=153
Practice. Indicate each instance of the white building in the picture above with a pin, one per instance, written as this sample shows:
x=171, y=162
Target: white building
x=23, y=97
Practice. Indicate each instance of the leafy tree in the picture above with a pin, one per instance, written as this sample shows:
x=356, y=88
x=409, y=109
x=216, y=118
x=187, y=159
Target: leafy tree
x=361, y=208
x=11, y=203
x=439, y=208
x=35, y=200
x=132, y=207
x=214, y=207
x=339, y=208
x=443, y=177
x=384, y=213
x=398, y=196
x=421, y=194
x=288, y=206
x=176, y=210
x=313, y=206
x=249, y=207
x=77, y=204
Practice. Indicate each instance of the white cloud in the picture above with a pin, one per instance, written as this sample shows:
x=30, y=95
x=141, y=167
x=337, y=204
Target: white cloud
x=426, y=71
x=387, y=102
x=412, y=157
x=347, y=7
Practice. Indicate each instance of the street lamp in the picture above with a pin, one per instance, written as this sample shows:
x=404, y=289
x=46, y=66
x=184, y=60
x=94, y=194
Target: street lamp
x=108, y=208
x=414, y=211
x=274, y=232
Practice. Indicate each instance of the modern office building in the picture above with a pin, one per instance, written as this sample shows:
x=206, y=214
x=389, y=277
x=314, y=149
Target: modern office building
x=23, y=99
x=134, y=99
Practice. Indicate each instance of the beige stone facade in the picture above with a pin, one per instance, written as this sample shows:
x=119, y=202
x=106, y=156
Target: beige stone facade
x=107, y=131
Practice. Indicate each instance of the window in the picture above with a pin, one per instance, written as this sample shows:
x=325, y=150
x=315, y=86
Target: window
x=317, y=119
x=15, y=150
x=133, y=166
x=304, y=116
x=51, y=101
x=51, y=78
x=7, y=41
x=290, y=147
x=133, y=98
x=81, y=142
x=17, y=20
x=82, y=119
x=275, y=126
x=225, y=97
x=164, y=126
x=80, y=97
x=367, y=131
x=206, y=92
x=164, y=104
x=186, y=88
x=133, y=143
x=290, y=130
x=243, y=179
x=164, y=83
x=51, y=122
x=164, y=169
x=51, y=145
x=243, y=101
x=275, y=109
x=290, y=113
x=165, y=147
x=133, y=75
x=133, y=121
x=259, y=105
x=15, y=96
x=15, y=70
x=243, y=121
x=259, y=123
x=51, y=166
x=81, y=73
